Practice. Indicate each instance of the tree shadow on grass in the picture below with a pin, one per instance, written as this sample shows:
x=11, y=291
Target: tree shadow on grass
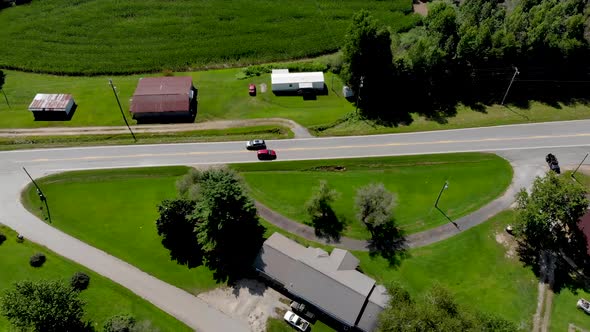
x=388, y=242
x=328, y=226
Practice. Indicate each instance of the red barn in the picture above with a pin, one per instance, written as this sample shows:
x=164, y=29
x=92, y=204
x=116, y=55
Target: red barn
x=164, y=97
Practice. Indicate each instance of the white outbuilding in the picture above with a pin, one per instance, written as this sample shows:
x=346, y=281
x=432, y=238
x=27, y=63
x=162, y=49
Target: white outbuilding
x=285, y=82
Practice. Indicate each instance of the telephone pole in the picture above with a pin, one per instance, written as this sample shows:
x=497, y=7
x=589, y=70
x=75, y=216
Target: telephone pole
x=121, y=109
x=516, y=72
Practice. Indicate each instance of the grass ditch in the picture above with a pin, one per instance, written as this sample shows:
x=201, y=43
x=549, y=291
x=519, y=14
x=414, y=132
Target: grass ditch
x=217, y=135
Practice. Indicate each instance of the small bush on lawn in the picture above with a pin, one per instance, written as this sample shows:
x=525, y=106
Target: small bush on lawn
x=119, y=323
x=37, y=260
x=80, y=281
x=2, y=238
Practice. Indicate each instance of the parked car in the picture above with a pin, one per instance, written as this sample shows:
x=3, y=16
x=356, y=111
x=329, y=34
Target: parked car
x=252, y=89
x=552, y=162
x=584, y=305
x=296, y=321
x=267, y=155
x=302, y=309
x=256, y=144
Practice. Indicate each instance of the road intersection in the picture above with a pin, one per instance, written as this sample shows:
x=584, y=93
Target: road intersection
x=523, y=145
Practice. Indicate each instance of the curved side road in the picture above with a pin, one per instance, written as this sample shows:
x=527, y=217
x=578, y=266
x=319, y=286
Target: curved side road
x=523, y=177
x=184, y=306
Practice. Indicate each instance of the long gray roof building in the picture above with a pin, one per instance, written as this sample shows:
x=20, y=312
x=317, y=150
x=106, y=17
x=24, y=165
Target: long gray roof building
x=330, y=282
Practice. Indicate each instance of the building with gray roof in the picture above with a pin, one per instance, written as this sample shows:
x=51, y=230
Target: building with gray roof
x=329, y=282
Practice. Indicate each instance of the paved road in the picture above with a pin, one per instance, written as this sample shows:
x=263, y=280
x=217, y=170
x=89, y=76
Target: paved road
x=524, y=145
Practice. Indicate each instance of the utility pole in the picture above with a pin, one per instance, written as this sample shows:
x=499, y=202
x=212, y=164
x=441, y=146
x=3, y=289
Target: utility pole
x=358, y=96
x=6, y=98
x=121, y=109
x=40, y=194
x=574, y=173
x=516, y=72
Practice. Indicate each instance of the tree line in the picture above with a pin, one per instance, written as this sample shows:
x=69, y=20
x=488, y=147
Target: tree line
x=468, y=53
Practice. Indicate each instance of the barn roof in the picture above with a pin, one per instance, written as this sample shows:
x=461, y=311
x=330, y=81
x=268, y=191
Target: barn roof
x=50, y=102
x=162, y=94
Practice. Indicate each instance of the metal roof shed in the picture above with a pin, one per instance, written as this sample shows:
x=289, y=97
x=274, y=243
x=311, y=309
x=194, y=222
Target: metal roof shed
x=53, y=103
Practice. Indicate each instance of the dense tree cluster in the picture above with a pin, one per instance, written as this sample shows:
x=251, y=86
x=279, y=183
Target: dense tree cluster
x=436, y=311
x=468, y=53
x=213, y=223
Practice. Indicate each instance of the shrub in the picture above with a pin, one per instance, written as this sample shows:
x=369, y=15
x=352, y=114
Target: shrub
x=80, y=281
x=2, y=238
x=20, y=239
x=119, y=323
x=37, y=260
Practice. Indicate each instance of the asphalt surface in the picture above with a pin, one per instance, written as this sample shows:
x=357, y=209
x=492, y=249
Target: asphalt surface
x=523, y=145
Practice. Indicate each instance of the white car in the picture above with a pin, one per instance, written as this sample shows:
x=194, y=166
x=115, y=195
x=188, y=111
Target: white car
x=296, y=321
x=256, y=144
x=584, y=305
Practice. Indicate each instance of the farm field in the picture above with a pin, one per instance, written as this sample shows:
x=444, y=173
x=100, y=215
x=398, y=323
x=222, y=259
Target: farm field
x=104, y=298
x=474, y=180
x=121, y=37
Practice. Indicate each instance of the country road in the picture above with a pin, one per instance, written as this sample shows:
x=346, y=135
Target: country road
x=523, y=145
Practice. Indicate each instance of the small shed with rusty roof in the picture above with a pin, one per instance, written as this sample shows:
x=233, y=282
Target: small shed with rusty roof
x=167, y=97
x=52, y=106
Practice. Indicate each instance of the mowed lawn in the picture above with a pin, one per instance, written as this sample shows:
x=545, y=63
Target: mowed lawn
x=474, y=180
x=111, y=36
x=116, y=211
x=479, y=266
x=104, y=298
x=221, y=95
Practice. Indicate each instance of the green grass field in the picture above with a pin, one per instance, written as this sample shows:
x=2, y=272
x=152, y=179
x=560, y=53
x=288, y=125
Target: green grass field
x=466, y=117
x=474, y=265
x=110, y=36
x=104, y=298
x=217, y=135
x=116, y=211
x=474, y=180
x=221, y=97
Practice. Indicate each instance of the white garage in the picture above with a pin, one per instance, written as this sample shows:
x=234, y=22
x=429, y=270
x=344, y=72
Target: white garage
x=285, y=82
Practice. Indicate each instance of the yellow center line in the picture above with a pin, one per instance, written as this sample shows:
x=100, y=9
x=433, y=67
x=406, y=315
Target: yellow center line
x=195, y=153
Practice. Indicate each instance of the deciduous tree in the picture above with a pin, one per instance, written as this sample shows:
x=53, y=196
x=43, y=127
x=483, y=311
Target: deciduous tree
x=436, y=311
x=43, y=306
x=374, y=205
x=228, y=229
x=322, y=216
x=367, y=57
x=177, y=229
x=547, y=221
